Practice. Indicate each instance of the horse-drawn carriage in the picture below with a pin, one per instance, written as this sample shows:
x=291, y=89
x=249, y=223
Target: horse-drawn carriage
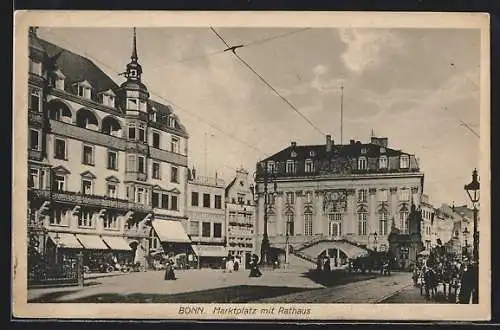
x=374, y=261
x=434, y=270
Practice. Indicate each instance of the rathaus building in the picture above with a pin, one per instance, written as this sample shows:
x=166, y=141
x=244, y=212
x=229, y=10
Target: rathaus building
x=107, y=166
x=339, y=200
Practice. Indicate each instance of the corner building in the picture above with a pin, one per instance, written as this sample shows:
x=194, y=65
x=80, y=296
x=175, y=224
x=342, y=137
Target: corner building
x=336, y=199
x=107, y=166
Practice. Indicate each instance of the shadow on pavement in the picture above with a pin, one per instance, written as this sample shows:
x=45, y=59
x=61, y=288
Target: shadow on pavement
x=51, y=297
x=337, y=277
x=233, y=294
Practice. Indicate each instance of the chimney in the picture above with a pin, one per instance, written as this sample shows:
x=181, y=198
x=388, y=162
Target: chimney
x=294, y=144
x=328, y=143
x=351, y=142
x=383, y=142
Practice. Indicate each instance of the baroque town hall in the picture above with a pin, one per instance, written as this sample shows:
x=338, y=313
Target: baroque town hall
x=107, y=166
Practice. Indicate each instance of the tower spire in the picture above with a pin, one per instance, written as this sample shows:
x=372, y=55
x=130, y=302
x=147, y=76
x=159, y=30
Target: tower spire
x=134, y=48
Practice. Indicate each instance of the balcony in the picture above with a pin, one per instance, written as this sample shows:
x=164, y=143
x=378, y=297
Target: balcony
x=137, y=147
x=136, y=176
x=90, y=200
x=208, y=181
x=35, y=118
x=168, y=156
x=35, y=154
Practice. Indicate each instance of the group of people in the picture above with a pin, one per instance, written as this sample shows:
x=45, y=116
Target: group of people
x=323, y=263
x=232, y=264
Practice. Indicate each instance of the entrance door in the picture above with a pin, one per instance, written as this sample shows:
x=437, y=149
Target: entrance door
x=335, y=229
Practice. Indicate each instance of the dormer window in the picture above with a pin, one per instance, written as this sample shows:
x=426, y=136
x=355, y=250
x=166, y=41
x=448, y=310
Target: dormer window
x=404, y=161
x=362, y=163
x=271, y=167
x=152, y=115
x=108, y=98
x=171, y=121
x=290, y=166
x=309, y=166
x=84, y=89
x=363, y=151
x=382, y=150
x=382, y=162
x=57, y=79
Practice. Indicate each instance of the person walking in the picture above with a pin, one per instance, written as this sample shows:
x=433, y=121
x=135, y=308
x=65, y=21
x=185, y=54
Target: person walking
x=466, y=284
x=254, y=266
x=169, y=271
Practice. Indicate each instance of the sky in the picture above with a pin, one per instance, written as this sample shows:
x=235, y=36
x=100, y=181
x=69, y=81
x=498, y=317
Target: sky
x=414, y=86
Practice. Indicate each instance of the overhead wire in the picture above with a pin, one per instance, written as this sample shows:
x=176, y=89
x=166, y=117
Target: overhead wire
x=261, y=78
x=163, y=98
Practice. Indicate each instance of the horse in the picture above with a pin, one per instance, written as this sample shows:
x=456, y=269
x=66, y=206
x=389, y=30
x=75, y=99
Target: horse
x=430, y=282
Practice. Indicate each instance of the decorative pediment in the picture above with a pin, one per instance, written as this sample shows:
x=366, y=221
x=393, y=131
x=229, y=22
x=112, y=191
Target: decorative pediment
x=404, y=207
x=174, y=191
x=393, y=190
x=157, y=187
x=334, y=201
x=85, y=83
x=383, y=207
x=289, y=210
x=88, y=175
x=372, y=191
x=308, y=209
x=61, y=170
x=112, y=178
x=362, y=209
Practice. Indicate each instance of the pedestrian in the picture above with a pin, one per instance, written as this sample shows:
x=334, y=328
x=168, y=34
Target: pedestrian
x=169, y=271
x=319, y=264
x=466, y=284
x=254, y=266
x=327, y=266
x=230, y=265
x=236, y=265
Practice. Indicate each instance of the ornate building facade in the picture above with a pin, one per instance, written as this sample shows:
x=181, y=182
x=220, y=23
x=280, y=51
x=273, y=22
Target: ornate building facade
x=240, y=217
x=351, y=193
x=105, y=162
x=206, y=223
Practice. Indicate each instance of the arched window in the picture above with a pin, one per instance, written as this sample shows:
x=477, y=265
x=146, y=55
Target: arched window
x=111, y=126
x=86, y=119
x=59, y=111
x=335, y=224
x=362, y=163
x=404, y=161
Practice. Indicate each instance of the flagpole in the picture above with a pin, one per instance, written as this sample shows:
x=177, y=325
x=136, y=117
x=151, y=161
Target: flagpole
x=341, y=114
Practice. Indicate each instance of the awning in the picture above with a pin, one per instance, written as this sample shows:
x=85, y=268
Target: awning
x=170, y=231
x=65, y=240
x=209, y=250
x=92, y=242
x=116, y=243
x=352, y=251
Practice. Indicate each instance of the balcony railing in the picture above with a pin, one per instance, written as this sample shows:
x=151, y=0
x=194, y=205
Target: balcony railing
x=208, y=181
x=91, y=200
x=35, y=117
x=35, y=154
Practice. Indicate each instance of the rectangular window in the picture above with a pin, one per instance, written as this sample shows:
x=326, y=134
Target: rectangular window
x=156, y=170
x=174, y=145
x=34, y=139
x=362, y=195
x=131, y=132
x=111, y=221
x=404, y=195
x=308, y=197
x=86, y=187
x=404, y=161
x=382, y=195
x=34, y=99
x=361, y=163
x=218, y=201
x=171, y=122
x=112, y=190
x=309, y=166
x=34, y=179
x=88, y=155
x=382, y=162
x=335, y=217
x=218, y=230
x=206, y=200
x=174, y=175
x=308, y=224
x=156, y=140
x=60, y=183
x=383, y=223
x=403, y=222
x=60, y=149
x=174, y=207
x=141, y=166
x=85, y=219
x=152, y=116
x=335, y=228
x=290, y=230
x=164, y=201
x=58, y=218
x=290, y=166
x=139, y=197
x=194, y=228
x=194, y=199
x=205, y=229
x=362, y=217
x=271, y=167
x=112, y=160
x=131, y=165
x=35, y=67
x=132, y=104
x=290, y=198
x=155, y=199
x=142, y=135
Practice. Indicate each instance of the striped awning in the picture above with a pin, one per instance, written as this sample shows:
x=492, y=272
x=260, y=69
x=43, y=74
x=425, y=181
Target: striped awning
x=65, y=240
x=170, y=231
x=116, y=243
x=92, y=242
x=210, y=250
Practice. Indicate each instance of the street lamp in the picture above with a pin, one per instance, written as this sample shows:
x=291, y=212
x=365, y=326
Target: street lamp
x=473, y=192
x=375, y=241
x=263, y=174
x=466, y=245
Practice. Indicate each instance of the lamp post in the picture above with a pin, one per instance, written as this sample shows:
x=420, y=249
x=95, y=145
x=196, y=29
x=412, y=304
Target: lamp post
x=375, y=236
x=473, y=191
x=466, y=245
x=287, y=247
x=263, y=174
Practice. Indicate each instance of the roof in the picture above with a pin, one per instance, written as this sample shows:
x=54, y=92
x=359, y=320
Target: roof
x=226, y=191
x=77, y=68
x=345, y=150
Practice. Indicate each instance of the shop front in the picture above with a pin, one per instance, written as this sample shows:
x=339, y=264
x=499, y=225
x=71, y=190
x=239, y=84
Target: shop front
x=210, y=256
x=175, y=243
x=61, y=247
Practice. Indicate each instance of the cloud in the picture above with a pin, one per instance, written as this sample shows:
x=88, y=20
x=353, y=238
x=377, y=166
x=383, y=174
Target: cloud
x=365, y=47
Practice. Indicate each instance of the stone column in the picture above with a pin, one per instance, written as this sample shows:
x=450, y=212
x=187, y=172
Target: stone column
x=280, y=217
x=318, y=218
x=299, y=214
x=350, y=221
x=372, y=212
